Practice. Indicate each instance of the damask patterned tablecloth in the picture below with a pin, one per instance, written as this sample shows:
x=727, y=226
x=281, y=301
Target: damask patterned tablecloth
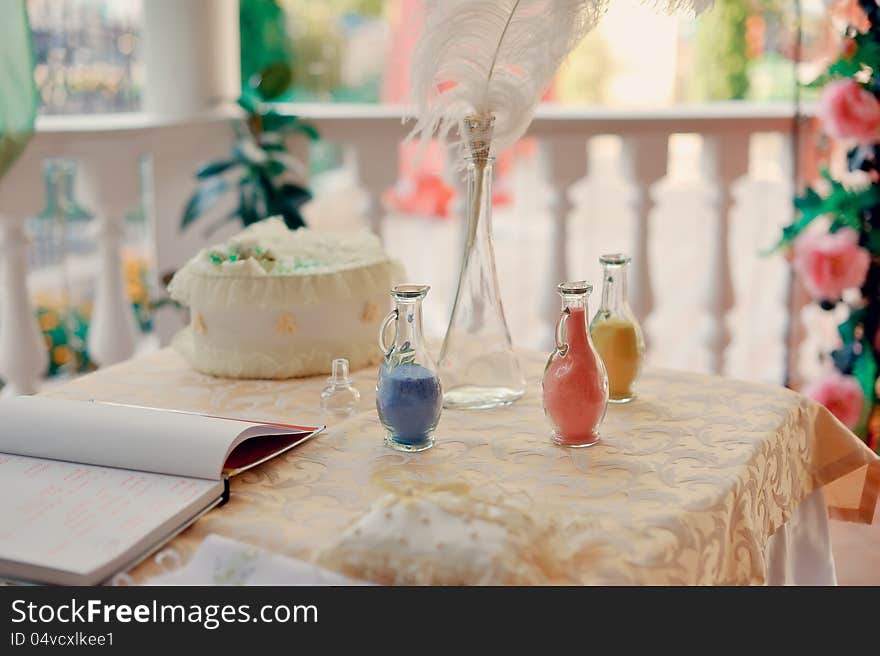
x=687, y=485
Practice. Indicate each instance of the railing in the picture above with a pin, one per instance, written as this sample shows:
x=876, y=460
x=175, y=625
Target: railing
x=693, y=194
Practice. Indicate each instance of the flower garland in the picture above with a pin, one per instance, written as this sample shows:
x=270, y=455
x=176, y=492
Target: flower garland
x=838, y=258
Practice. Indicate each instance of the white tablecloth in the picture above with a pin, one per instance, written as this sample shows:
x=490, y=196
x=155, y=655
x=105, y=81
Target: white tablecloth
x=799, y=553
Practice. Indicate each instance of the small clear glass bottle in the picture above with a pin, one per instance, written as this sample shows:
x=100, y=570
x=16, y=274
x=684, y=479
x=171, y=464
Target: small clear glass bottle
x=409, y=398
x=616, y=332
x=575, y=386
x=340, y=398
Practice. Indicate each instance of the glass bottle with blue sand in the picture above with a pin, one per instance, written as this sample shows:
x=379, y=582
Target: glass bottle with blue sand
x=408, y=395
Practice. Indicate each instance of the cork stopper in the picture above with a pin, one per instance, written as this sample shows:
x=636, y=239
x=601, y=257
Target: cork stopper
x=478, y=134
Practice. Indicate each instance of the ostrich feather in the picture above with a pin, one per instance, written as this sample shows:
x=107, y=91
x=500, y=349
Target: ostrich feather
x=496, y=58
x=492, y=58
x=677, y=6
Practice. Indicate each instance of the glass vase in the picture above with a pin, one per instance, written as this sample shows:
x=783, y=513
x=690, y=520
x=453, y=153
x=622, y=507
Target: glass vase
x=478, y=366
x=62, y=283
x=408, y=393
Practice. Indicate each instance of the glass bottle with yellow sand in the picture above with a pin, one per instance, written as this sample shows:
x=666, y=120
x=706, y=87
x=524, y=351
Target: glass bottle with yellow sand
x=616, y=333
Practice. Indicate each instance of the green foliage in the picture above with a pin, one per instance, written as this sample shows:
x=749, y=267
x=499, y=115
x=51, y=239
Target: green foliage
x=845, y=206
x=848, y=328
x=721, y=62
x=865, y=58
x=858, y=209
x=264, y=38
x=259, y=160
x=865, y=371
x=205, y=197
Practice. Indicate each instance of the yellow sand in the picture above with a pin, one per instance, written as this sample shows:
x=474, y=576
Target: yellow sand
x=617, y=342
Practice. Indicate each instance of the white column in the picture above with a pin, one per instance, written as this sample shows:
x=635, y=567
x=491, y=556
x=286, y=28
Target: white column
x=192, y=66
x=644, y=163
x=191, y=56
x=110, y=186
x=565, y=160
x=720, y=171
x=112, y=331
x=23, y=356
x=761, y=207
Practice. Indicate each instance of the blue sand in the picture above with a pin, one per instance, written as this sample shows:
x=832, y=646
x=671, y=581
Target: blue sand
x=409, y=401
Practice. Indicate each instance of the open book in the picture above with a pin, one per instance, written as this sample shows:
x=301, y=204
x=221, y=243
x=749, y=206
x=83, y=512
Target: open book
x=89, y=489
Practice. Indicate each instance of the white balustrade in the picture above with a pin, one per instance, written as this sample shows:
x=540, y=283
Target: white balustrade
x=762, y=205
x=109, y=184
x=724, y=159
x=563, y=161
x=23, y=355
x=644, y=161
x=687, y=193
x=112, y=332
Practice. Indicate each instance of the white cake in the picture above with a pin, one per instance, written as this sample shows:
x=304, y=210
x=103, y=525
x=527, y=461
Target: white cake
x=277, y=303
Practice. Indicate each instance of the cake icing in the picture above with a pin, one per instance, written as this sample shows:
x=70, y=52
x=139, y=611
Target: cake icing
x=277, y=303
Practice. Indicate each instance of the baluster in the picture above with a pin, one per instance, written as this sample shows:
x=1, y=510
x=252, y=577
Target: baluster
x=564, y=158
x=720, y=172
x=761, y=207
x=23, y=356
x=644, y=164
x=111, y=188
x=786, y=189
x=375, y=162
x=803, y=162
x=683, y=221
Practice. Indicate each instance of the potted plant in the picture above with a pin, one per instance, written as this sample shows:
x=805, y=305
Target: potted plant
x=259, y=170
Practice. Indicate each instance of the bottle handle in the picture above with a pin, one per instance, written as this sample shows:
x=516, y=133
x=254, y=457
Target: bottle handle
x=561, y=346
x=392, y=316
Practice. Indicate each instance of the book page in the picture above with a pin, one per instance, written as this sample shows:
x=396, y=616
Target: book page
x=131, y=437
x=81, y=518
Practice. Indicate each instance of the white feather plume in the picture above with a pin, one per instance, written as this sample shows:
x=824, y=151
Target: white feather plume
x=496, y=58
x=674, y=6
x=492, y=57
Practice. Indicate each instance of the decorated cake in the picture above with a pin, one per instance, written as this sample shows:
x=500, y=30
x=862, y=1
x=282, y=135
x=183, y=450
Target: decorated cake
x=277, y=303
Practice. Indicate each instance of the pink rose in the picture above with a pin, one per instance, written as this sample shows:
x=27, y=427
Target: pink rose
x=842, y=395
x=828, y=263
x=848, y=111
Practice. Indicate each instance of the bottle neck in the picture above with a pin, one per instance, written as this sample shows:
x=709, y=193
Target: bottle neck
x=576, y=326
x=614, y=289
x=479, y=198
x=574, y=302
x=409, y=322
x=53, y=204
x=68, y=182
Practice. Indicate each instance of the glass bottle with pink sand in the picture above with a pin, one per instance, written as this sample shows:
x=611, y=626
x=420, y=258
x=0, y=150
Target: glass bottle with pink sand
x=575, y=385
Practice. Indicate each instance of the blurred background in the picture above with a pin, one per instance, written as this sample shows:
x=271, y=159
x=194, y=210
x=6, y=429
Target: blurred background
x=89, y=57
